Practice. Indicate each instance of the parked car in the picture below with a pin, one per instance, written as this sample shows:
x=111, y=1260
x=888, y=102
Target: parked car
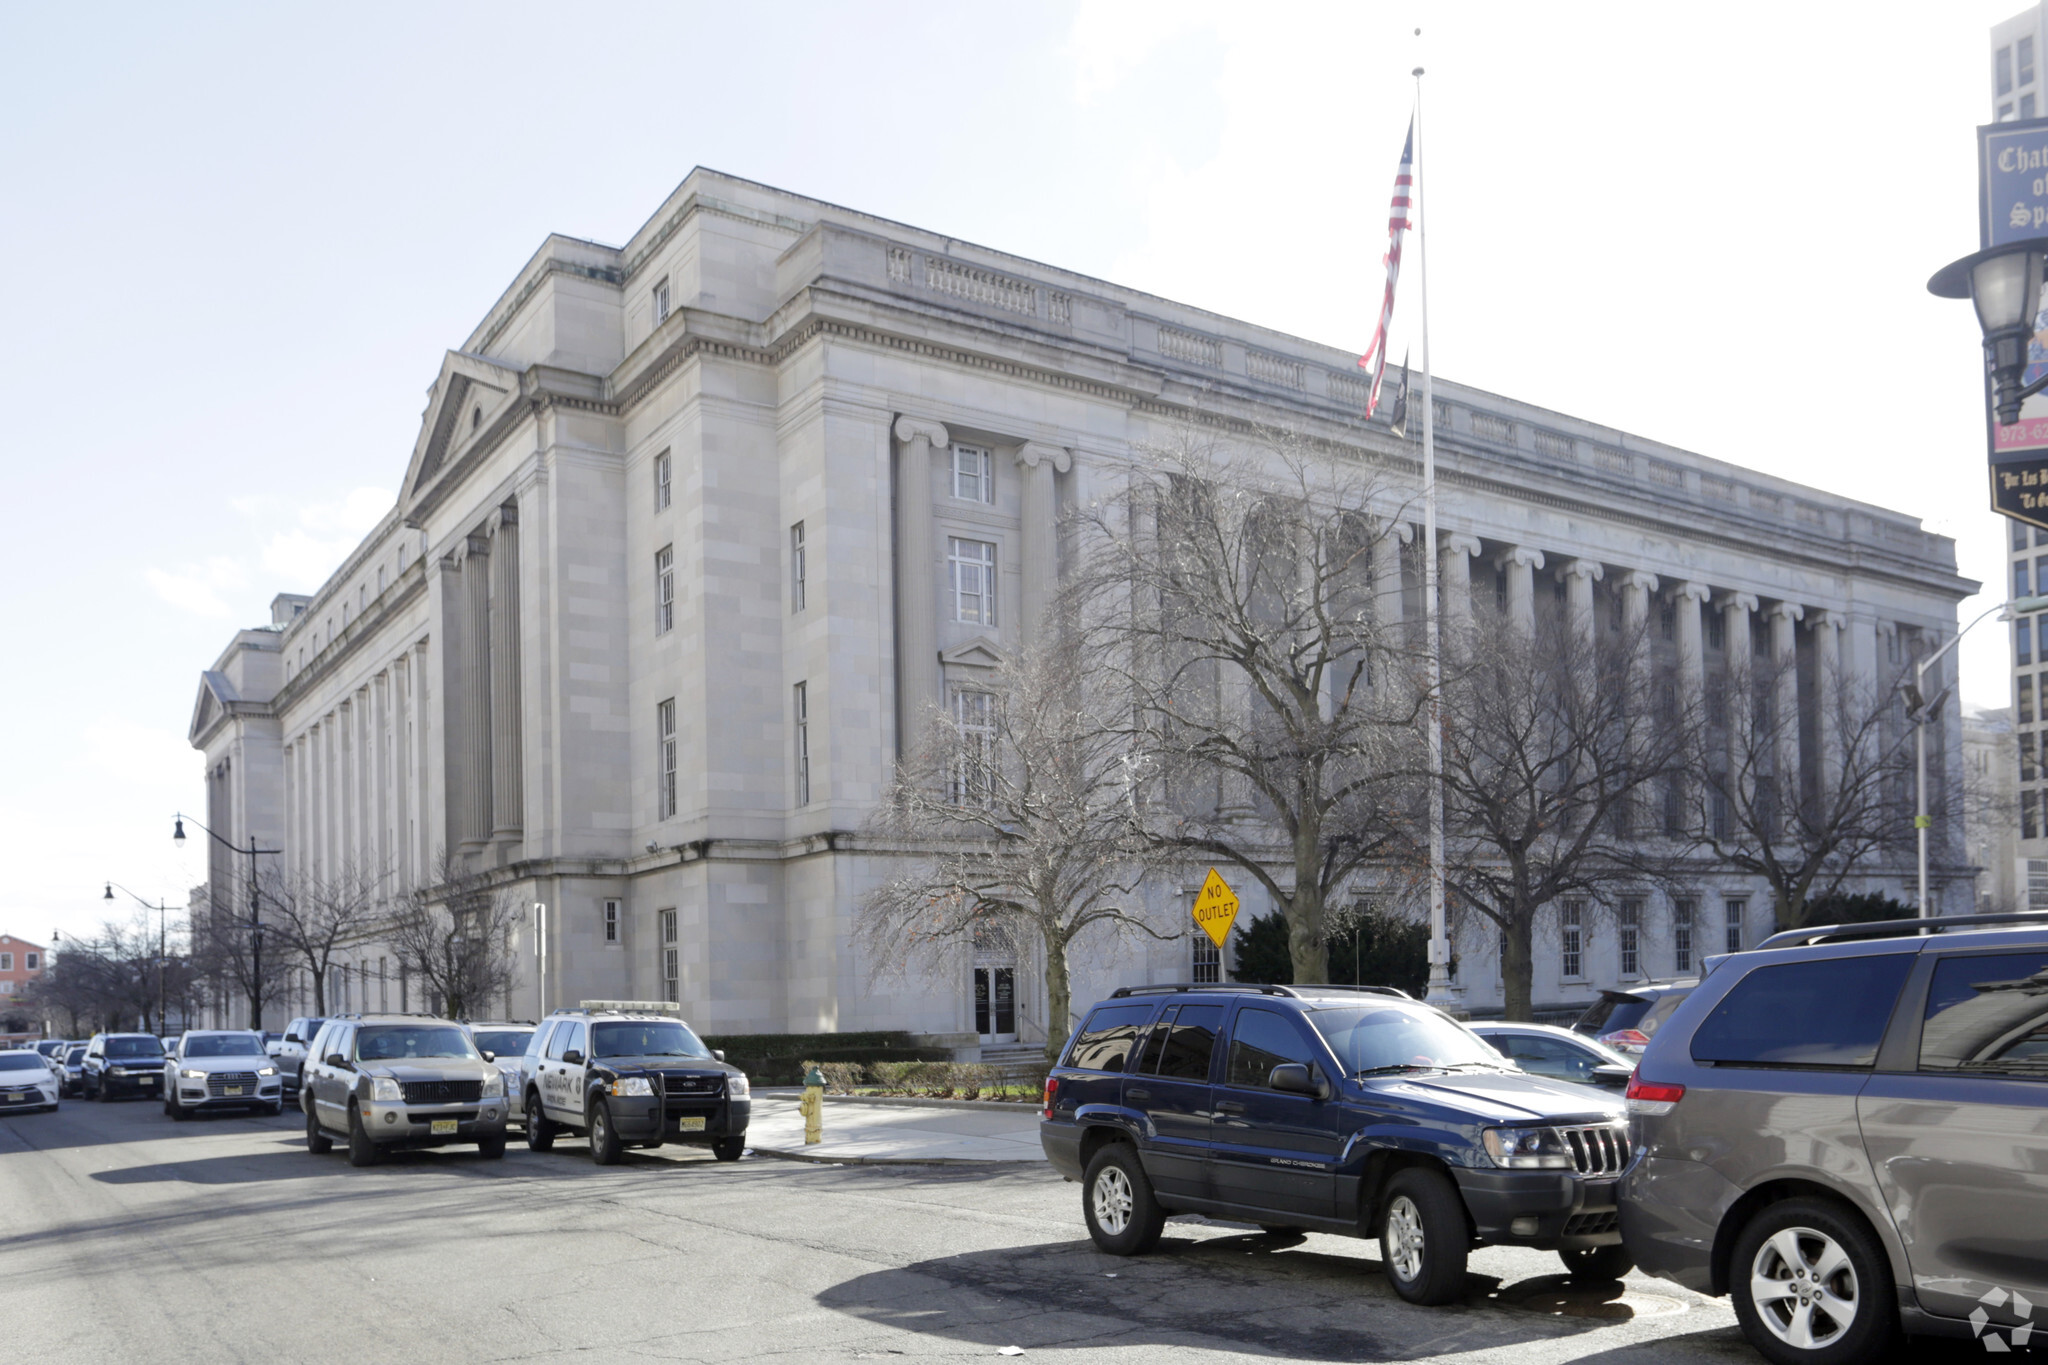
x=1559, y=1053
x=27, y=1082
x=121, y=1063
x=1626, y=1020
x=50, y=1049
x=1842, y=1131
x=400, y=1080
x=288, y=1053
x=74, y=1069
x=503, y=1045
x=624, y=1073
x=220, y=1069
x=1348, y=1110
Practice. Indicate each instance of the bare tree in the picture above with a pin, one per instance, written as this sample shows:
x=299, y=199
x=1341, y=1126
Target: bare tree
x=314, y=918
x=1806, y=828
x=455, y=937
x=108, y=981
x=1553, y=746
x=1250, y=604
x=1015, y=814
x=235, y=954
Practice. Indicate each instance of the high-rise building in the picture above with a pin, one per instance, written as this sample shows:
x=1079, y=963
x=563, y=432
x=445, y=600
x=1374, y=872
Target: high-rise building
x=2016, y=88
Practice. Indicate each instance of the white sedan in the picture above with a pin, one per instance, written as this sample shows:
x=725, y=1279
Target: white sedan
x=26, y=1082
x=221, y=1069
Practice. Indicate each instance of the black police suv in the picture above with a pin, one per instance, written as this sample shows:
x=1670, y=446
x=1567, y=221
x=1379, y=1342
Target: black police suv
x=626, y=1074
x=1353, y=1110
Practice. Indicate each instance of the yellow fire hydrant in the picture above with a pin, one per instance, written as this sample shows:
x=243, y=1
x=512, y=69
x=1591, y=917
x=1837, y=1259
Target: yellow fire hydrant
x=812, y=1107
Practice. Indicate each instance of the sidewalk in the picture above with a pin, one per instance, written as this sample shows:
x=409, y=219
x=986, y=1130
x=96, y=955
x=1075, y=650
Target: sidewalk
x=902, y=1133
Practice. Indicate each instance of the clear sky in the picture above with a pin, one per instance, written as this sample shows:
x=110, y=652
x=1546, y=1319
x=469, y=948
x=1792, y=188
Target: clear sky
x=239, y=238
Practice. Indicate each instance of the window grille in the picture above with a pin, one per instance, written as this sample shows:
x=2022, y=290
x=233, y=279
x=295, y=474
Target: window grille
x=796, y=568
x=1571, y=947
x=665, y=759
x=1631, y=937
x=1682, y=912
x=664, y=589
x=802, y=710
x=973, y=571
x=973, y=475
x=1207, y=967
x=1737, y=911
x=611, y=925
x=671, y=958
x=663, y=490
x=974, y=712
x=661, y=302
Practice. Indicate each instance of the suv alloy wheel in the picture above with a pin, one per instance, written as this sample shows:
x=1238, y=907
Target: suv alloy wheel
x=540, y=1129
x=317, y=1141
x=1424, y=1241
x=605, y=1147
x=361, y=1150
x=1123, y=1217
x=1811, y=1286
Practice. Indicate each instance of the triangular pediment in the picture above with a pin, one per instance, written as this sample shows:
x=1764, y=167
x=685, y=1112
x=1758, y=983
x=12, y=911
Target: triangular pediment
x=980, y=652
x=467, y=399
x=215, y=692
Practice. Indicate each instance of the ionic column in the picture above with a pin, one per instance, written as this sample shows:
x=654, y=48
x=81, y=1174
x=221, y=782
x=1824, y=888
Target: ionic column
x=508, y=796
x=476, y=709
x=1454, y=560
x=1785, y=704
x=917, y=649
x=1040, y=463
x=1521, y=564
x=1687, y=601
x=1389, y=583
x=1579, y=577
x=1637, y=588
x=1828, y=696
x=1735, y=609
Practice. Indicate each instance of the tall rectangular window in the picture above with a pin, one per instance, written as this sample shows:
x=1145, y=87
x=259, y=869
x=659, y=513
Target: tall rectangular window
x=801, y=710
x=2023, y=642
x=664, y=589
x=1207, y=967
x=611, y=921
x=665, y=759
x=1735, y=911
x=2003, y=70
x=664, y=490
x=2019, y=535
x=796, y=567
x=661, y=301
x=1683, y=911
x=2029, y=824
x=2040, y=571
x=383, y=987
x=974, y=770
x=2027, y=105
x=1631, y=915
x=972, y=564
x=1571, y=917
x=671, y=958
x=2027, y=765
x=973, y=474
x=2026, y=696
x=2023, y=61
x=31, y=960
x=2019, y=578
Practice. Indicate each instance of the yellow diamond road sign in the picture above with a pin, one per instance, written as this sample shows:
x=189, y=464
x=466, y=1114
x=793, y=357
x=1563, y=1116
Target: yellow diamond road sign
x=1215, y=908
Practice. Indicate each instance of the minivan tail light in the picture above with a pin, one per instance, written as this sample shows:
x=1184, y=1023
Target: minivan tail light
x=1652, y=1097
x=1052, y=1090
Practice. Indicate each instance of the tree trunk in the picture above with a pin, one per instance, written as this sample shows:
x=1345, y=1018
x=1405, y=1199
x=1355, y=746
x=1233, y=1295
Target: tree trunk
x=1518, y=970
x=1059, y=997
x=1307, y=945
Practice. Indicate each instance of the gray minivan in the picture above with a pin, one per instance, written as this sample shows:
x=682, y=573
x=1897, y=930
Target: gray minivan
x=1846, y=1131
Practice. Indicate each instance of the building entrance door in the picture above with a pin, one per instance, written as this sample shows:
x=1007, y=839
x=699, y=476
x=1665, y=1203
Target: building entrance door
x=995, y=1004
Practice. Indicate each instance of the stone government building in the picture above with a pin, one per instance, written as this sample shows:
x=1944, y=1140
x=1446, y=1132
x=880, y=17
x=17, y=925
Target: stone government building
x=693, y=524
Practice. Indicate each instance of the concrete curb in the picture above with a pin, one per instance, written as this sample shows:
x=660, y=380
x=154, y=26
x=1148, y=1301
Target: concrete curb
x=916, y=1101
x=785, y=1155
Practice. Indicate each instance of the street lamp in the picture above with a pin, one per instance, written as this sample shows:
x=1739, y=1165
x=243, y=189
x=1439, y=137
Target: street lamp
x=255, y=920
x=162, y=951
x=1920, y=709
x=2004, y=282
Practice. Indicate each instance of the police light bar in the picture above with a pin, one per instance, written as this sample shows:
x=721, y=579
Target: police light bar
x=645, y=1006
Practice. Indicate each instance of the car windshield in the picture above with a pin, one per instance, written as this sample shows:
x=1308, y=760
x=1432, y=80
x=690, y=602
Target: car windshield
x=1612, y=1014
x=404, y=1042
x=134, y=1047
x=223, y=1045
x=503, y=1042
x=75, y=1055
x=22, y=1061
x=654, y=1038
x=1368, y=1040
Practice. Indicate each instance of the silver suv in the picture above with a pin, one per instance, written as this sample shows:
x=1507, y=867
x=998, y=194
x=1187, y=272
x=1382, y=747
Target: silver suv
x=400, y=1080
x=1846, y=1132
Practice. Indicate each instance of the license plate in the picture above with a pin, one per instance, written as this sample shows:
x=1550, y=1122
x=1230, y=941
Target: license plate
x=690, y=1125
x=441, y=1125
x=17, y=1099
x=150, y=1080
x=231, y=1090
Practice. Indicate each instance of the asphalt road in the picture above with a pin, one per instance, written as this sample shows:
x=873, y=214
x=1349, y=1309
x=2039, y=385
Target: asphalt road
x=130, y=1238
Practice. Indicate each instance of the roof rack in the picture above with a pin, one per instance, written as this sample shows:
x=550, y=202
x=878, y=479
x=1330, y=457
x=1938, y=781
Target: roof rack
x=375, y=1014
x=620, y=1007
x=1251, y=988
x=1896, y=928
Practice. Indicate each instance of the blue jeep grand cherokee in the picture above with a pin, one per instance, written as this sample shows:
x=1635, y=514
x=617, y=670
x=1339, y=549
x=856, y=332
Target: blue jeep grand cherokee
x=1332, y=1109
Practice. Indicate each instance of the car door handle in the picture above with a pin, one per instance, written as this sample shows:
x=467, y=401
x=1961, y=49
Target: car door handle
x=1229, y=1107
x=1137, y=1094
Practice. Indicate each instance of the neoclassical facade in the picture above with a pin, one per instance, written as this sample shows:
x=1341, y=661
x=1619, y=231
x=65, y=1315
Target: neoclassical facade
x=698, y=526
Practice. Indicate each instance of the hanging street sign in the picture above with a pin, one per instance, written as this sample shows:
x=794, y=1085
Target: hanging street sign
x=2012, y=206
x=1215, y=908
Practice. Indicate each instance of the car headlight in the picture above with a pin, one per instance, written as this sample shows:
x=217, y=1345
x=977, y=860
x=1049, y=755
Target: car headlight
x=632, y=1085
x=193, y=1073
x=384, y=1089
x=494, y=1084
x=266, y=1071
x=1527, y=1148
x=736, y=1088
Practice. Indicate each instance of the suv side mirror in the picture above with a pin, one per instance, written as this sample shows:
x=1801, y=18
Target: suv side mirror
x=1293, y=1078
x=718, y=1054
x=336, y=1059
x=490, y=1056
x=294, y=1038
x=572, y=1058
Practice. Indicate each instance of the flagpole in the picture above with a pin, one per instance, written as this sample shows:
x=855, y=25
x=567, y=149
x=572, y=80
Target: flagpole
x=1439, y=938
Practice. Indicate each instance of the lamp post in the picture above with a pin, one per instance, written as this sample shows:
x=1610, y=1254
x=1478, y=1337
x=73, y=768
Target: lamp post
x=2004, y=282
x=162, y=949
x=255, y=920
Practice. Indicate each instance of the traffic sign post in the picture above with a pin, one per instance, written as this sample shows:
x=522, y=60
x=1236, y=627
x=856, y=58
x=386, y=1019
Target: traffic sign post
x=1215, y=908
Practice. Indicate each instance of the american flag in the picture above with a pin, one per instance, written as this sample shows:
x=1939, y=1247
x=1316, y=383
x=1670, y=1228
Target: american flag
x=1375, y=357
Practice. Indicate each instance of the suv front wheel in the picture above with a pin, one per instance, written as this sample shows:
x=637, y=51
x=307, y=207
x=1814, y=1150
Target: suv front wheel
x=1811, y=1286
x=1424, y=1242
x=361, y=1150
x=605, y=1146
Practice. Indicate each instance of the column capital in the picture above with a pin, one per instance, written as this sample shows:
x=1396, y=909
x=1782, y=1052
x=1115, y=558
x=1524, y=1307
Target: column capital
x=1729, y=597
x=508, y=515
x=1583, y=568
x=1698, y=592
x=1640, y=579
x=1791, y=611
x=1829, y=616
x=1521, y=555
x=1028, y=455
x=1403, y=531
x=1457, y=542
x=909, y=428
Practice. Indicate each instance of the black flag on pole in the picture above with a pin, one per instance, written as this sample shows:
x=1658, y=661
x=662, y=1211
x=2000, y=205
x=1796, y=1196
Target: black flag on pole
x=1400, y=422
